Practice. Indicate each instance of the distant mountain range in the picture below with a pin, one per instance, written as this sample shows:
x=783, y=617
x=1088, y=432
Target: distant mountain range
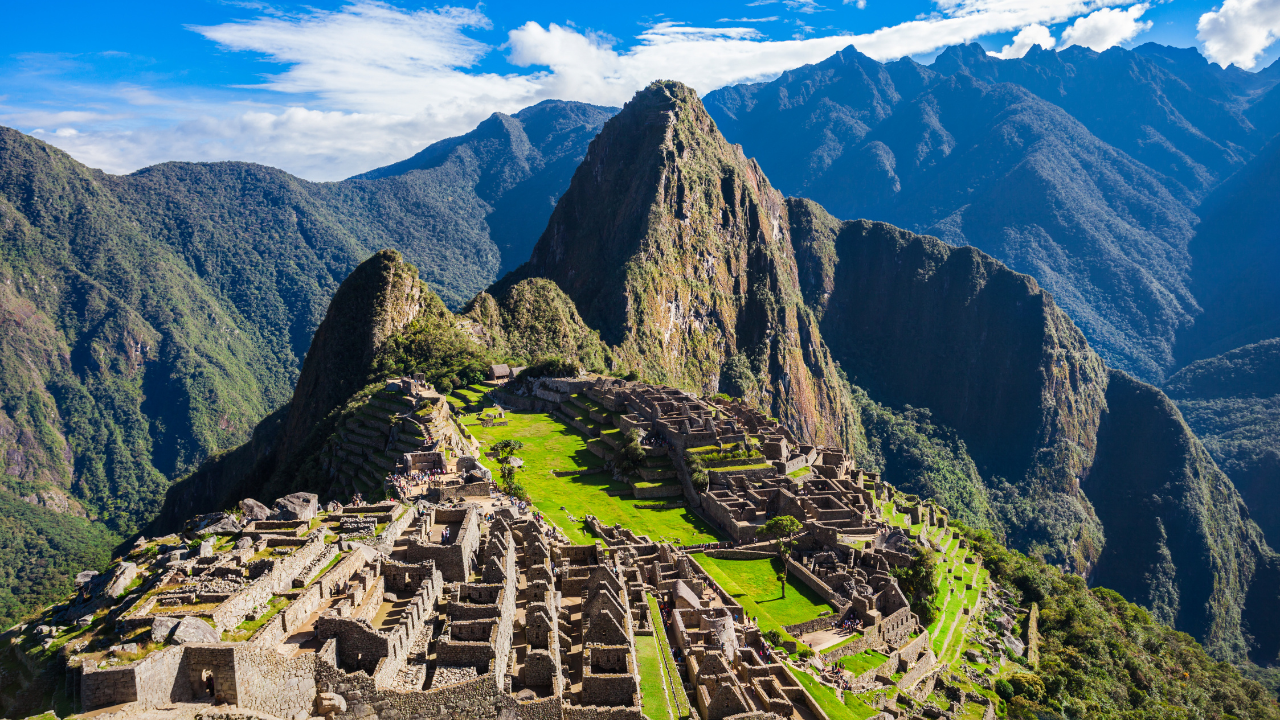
x=1081, y=169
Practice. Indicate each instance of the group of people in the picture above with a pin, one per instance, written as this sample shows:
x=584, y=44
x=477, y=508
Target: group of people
x=852, y=624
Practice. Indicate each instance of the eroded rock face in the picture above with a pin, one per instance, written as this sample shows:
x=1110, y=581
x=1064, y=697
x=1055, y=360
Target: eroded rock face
x=254, y=510
x=192, y=629
x=298, y=506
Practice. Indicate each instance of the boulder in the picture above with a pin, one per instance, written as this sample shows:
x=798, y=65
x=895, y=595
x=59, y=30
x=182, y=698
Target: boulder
x=162, y=629
x=123, y=576
x=85, y=621
x=333, y=507
x=219, y=523
x=206, y=547
x=330, y=704
x=244, y=543
x=192, y=629
x=85, y=577
x=298, y=506
x=254, y=510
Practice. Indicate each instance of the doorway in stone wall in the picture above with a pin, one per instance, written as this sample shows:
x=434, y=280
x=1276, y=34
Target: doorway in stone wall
x=208, y=684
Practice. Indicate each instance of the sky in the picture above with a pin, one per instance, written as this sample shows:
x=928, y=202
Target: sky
x=334, y=88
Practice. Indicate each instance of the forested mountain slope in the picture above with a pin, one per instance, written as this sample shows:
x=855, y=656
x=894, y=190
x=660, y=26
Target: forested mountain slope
x=154, y=319
x=1078, y=168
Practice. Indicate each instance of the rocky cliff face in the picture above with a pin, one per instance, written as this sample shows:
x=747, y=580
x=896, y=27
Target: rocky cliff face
x=916, y=322
x=1078, y=168
x=1082, y=465
x=1179, y=540
x=533, y=319
x=674, y=247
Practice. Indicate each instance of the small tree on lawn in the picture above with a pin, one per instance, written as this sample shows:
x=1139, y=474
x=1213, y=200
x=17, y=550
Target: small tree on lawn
x=507, y=448
x=783, y=527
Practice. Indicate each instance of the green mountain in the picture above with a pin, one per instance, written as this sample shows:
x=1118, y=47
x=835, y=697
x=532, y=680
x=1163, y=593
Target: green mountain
x=1232, y=401
x=675, y=248
x=1026, y=428
x=155, y=319
x=1081, y=169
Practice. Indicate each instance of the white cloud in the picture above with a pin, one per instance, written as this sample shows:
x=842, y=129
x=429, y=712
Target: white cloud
x=1026, y=38
x=860, y=4
x=377, y=83
x=1240, y=31
x=804, y=6
x=1106, y=28
x=771, y=18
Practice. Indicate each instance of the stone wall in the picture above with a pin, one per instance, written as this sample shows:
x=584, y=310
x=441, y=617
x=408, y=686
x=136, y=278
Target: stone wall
x=112, y=686
x=661, y=491
x=213, y=661
x=359, y=647
x=393, y=529
x=739, y=554
x=280, y=579
x=814, y=582
x=822, y=623
x=271, y=683
x=477, y=699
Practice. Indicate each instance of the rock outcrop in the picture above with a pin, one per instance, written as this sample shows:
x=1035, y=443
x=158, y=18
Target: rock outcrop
x=675, y=248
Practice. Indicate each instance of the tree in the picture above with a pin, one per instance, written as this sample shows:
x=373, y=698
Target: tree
x=783, y=527
x=507, y=448
x=919, y=583
x=631, y=455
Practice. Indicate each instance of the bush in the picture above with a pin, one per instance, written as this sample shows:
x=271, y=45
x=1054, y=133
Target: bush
x=445, y=387
x=701, y=479
x=554, y=367
x=1004, y=689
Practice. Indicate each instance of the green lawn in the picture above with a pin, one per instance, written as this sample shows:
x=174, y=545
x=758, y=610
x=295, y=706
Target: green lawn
x=550, y=446
x=863, y=661
x=678, y=700
x=653, y=699
x=754, y=584
x=851, y=709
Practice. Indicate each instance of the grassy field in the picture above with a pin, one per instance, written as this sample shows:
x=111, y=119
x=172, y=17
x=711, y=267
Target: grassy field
x=677, y=697
x=653, y=701
x=851, y=709
x=551, y=446
x=863, y=661
x=754, y=584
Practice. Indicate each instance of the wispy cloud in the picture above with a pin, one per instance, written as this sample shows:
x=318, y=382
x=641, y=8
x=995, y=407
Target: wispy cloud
x=771, y=18
x=804, y=6
x=376, y=83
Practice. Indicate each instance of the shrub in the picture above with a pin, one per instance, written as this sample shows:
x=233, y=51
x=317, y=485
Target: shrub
x=554, y=367
x=1004, y=689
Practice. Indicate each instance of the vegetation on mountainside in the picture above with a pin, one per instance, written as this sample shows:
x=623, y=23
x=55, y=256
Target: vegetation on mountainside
x=919, y=582
x=1046, y=165
x=1101, y=656
x=927, y=459
x=534, y=320
x=164, y=314
x=1232, y=402
x=41, y=552
x=433, y=345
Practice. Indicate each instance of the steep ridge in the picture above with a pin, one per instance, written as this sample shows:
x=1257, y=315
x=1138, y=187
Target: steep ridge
x=993, y=166
x=1179, y=540
x=377, y=301
x=1082, y=465
x=1232, y=402
x=673, y=245
x=918, y=323
x=533, y=319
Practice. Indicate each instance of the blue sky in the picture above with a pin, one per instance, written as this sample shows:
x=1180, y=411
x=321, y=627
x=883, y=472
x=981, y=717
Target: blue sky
x=329, y=89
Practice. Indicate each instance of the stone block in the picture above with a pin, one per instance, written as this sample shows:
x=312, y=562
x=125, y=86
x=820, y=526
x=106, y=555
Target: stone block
x=85, y=577
x=254, y=510
x=298, y=506
x=162, y=629
x=192, y=629
x=124, y=575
